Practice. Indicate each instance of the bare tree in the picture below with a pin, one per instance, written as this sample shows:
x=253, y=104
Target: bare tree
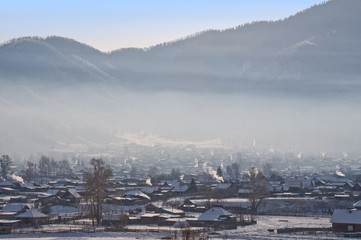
x=96, y=180
x=233, y=170
x=5, y=163
x=44, y=166
x=53, y=166
x=29, y=174
x=267, y=169
x=258, y=186
x=65, y=167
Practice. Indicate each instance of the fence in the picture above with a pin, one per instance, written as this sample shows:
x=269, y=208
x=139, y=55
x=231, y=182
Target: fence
x=58, y=230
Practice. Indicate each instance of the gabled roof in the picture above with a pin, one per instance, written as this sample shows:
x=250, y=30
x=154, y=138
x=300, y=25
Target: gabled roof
x=52, y=192
x=179, y=188
x=214, y=214
x=347, y=216
x=73, y=192
x=6, y=183
x=15, y=207
x=223, y=186
x=357, y=205
x=149, y=189
x=33, y=213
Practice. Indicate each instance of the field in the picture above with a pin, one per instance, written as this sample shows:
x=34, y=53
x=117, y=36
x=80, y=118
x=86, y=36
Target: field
x=258, y=231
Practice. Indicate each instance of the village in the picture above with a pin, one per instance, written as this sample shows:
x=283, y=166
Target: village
x=49, y=196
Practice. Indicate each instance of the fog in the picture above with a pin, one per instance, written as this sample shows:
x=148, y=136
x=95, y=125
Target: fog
x=75, y=120
x=289, y=85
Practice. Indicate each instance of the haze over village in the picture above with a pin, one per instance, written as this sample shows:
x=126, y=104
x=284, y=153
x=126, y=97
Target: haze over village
x=250, y=131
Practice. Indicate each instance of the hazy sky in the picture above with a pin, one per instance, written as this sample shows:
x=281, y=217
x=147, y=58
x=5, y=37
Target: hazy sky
x=114, y=24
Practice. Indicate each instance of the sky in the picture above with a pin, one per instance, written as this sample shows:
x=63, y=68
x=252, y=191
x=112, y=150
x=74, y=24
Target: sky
x=113, y=24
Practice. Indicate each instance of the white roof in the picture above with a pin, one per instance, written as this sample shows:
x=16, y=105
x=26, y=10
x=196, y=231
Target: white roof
x=214, y=214
x=60, y=209
x=347, y=216
x=73, y=192
x=179, y=188
x=223, y=186
x=52, y=192
x=6, y=183
x=358, y=204
x=15, y=207
x=137, y=193
x=33, y=213
x=149, y=189
x=243, y=190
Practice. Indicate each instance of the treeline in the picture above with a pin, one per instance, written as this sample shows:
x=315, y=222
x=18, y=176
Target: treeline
x=47, y=168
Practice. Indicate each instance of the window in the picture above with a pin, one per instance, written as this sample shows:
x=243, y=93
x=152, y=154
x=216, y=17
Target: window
x=350, y=228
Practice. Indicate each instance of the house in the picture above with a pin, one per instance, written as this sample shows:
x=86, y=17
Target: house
x=347, y=220
x=217, y=217
x=71, y=196
x=137, y=194
x=33, y=217
x=16, y=207
x=150, y=207
x=170, y=211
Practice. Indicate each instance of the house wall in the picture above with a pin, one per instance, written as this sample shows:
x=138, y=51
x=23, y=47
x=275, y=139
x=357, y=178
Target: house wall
x=343, y=227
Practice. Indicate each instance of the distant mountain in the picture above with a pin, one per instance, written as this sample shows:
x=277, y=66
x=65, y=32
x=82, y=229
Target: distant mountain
x=316, y=50
x=293, y=83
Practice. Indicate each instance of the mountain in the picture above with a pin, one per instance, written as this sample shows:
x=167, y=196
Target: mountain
x=313, y=51
x=284, y=83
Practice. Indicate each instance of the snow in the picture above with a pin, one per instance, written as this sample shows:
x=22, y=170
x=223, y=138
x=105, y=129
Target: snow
x=33, y=213
x=137, y=193
x=15, y=207
x=258, y=231
x=214, y=214
x=358, y=204
x=61, y=210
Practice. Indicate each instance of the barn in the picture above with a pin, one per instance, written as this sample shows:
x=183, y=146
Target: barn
x=347, y=220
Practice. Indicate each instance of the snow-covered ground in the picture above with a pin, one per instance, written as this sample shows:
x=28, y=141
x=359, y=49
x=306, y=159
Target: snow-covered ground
x=258, y=231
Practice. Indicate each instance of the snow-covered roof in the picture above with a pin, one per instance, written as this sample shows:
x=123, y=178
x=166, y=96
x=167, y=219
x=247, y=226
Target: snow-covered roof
x=214, y=214
x=52, y=192
x=27, y=185
x=6, y=183
x=149, y=189
x=358, y=204
x=223, y=186
x=15, y=207
x=136, y=193
x=179, y=188
x=347, y=216
x=244, y=190
x=60, y=209
x=73, y=192
x=33, y=213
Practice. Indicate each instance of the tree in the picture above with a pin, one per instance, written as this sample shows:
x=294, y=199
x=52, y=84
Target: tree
x=175, y=174
x=5, y=164
x=96, y=181
x=65, y=167
x=44, y=166
x=133, y=171
x=29, y=174
x=235, y=167
x=219, y=172
x=229, y=171
x=258, y=188
x=267, y=169
x=53, y=166
x=233, y=170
